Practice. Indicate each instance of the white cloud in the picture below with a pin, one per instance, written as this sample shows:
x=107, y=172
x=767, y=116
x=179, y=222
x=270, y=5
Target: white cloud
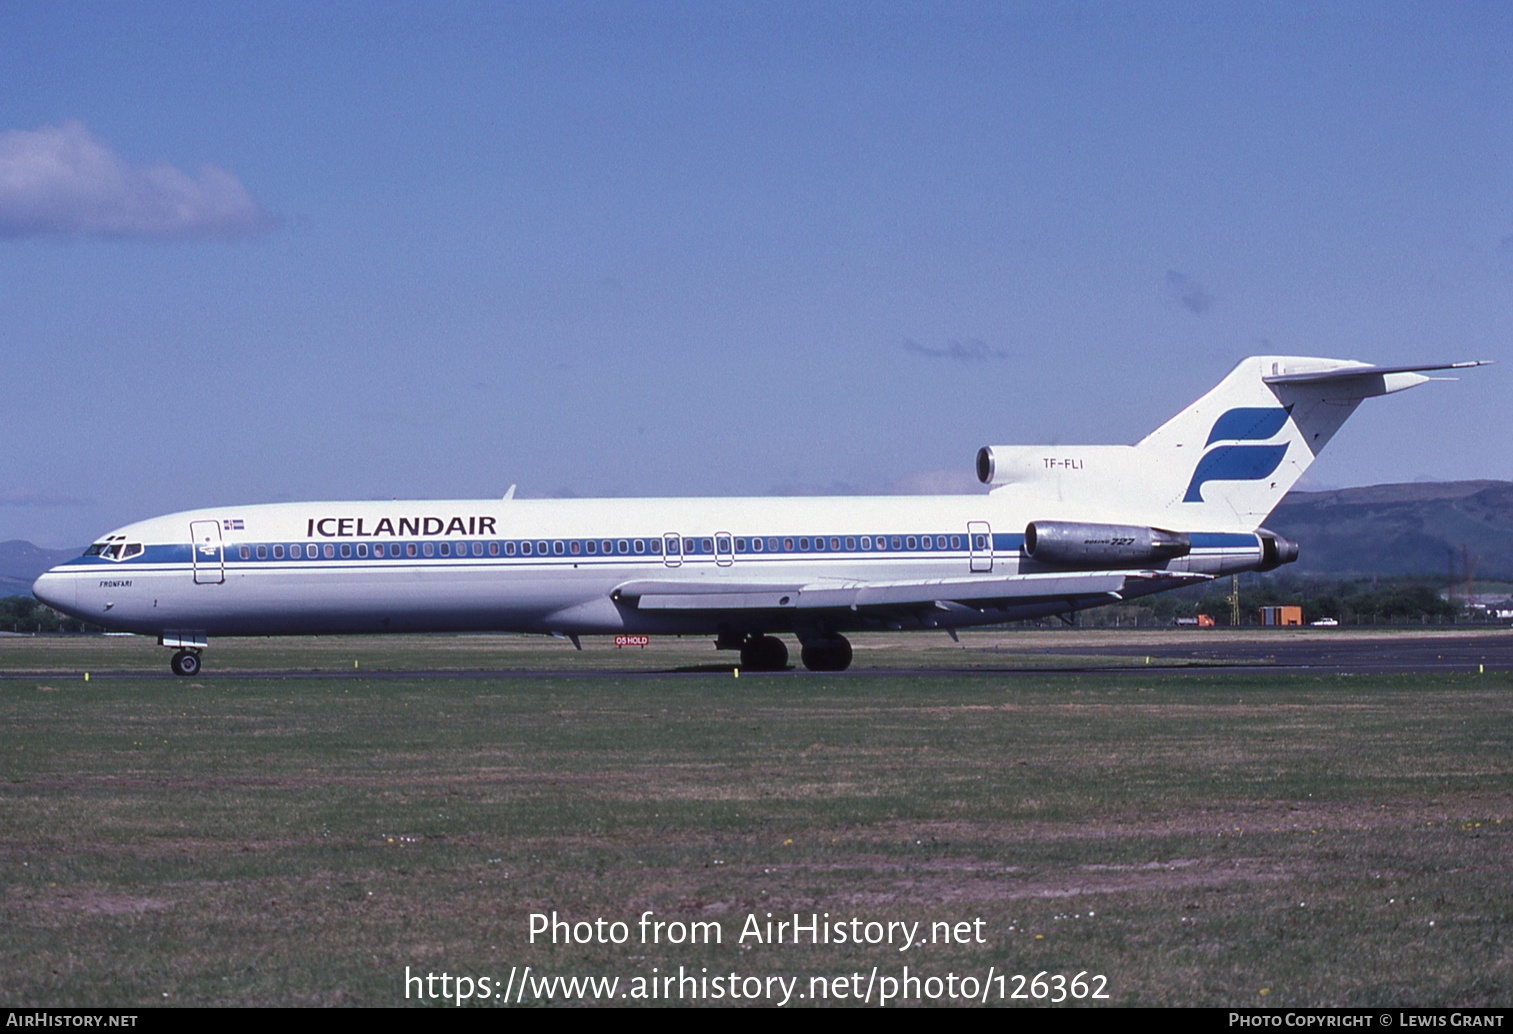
x=61, y=180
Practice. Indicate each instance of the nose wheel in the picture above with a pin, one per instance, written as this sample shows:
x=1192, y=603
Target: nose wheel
x=186, y=662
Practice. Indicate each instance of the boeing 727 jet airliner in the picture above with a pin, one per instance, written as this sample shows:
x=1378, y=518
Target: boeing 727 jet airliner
x=1064, y=528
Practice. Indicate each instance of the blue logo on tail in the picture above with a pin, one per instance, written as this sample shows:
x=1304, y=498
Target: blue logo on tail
x=1240, y=462
x=1250, y=424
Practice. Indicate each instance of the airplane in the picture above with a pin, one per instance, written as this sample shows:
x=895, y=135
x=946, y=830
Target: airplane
x=1062, y=529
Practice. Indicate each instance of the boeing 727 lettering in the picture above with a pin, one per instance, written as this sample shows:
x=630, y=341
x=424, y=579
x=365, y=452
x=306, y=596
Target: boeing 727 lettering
x=1063, y=529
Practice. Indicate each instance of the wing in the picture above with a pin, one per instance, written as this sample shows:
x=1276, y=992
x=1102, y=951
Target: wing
x=976, y=593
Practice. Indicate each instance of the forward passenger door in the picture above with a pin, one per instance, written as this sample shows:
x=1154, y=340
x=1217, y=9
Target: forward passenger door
x=209, y=557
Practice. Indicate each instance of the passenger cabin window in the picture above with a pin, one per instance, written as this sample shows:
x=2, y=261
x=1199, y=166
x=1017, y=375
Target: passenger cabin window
x=330, y=550
x=262, y=552
x=278, y=551
x=244, y=553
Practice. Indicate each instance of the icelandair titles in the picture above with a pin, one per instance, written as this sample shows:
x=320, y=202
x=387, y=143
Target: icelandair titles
x=397, y=527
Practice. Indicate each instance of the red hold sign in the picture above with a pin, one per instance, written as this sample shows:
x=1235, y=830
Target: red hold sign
x=632, y=640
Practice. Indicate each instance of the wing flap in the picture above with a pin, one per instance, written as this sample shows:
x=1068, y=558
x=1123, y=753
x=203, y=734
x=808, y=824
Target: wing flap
x=716, y=596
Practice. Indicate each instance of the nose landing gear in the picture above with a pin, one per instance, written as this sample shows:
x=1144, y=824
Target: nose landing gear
x=186, y=662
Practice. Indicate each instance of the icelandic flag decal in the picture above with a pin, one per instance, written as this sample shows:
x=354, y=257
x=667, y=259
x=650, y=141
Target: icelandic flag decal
x=235, y=524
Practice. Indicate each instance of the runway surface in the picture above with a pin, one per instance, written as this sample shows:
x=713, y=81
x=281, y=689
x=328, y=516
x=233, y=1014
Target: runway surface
x=1397, y=653
x=1402, y=652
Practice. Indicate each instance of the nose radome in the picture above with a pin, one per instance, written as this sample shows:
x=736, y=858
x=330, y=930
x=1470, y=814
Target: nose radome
x=57, y=591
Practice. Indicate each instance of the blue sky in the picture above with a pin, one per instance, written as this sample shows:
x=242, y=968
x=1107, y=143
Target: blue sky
x=427, y=250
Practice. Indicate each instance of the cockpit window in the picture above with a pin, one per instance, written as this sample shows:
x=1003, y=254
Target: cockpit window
x=115, y=548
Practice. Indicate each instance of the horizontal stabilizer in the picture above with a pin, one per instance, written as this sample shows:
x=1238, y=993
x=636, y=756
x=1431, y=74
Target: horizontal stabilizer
x=1365, y=370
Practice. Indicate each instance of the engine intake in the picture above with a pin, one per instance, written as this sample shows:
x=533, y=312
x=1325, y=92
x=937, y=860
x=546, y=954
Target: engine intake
x=1073, y=544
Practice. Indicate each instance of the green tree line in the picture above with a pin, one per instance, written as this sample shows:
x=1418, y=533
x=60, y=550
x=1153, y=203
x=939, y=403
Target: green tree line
x=25, y=614
x=1364, y=601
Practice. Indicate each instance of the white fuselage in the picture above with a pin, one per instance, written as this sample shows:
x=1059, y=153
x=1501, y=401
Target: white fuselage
x=594, y=566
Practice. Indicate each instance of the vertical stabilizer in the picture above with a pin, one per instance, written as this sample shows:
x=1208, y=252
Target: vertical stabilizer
x=1222, y=464
x=1229, y=458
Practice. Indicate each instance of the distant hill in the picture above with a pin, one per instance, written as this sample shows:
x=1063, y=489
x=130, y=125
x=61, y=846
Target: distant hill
x=1381, y=529
x=1401, y=529
x=21, y=563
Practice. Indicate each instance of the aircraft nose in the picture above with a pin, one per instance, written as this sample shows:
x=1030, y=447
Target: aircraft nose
x=58, y=591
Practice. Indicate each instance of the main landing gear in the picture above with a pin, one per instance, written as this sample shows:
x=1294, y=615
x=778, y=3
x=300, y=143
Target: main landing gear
x=186, y=662
x=764, y=653
x=768, y=653
x=831, y=654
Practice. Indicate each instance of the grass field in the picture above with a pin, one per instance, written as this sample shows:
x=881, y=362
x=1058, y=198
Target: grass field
x=1197, y=838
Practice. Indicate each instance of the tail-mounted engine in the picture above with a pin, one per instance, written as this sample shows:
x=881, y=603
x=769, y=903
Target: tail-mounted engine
x=1275, y=550
x=1072, y=544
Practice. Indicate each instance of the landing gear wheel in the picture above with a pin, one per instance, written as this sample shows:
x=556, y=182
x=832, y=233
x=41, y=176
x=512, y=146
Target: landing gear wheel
x=764, y=653
x=186, y=662
x=827, y=655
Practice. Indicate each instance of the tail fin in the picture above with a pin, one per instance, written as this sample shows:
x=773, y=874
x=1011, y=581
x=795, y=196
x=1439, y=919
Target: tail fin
x=1225, y=461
